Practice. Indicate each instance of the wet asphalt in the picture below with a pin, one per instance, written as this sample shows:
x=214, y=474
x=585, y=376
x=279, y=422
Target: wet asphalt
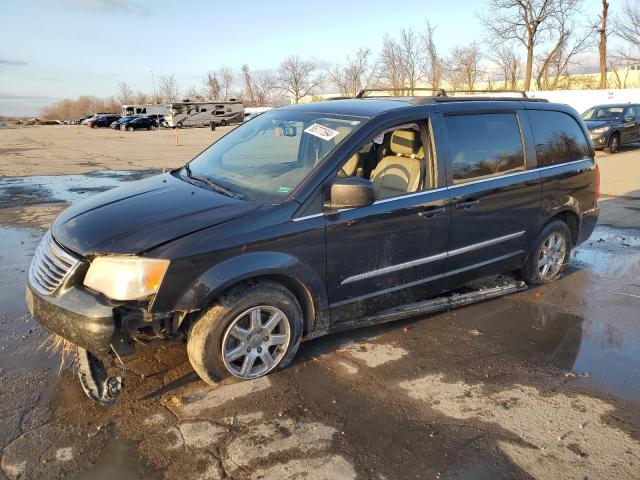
x=540, y=384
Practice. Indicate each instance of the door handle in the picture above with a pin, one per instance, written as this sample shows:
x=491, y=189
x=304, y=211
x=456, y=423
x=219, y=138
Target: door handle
x=467, y=205
x=431, y=212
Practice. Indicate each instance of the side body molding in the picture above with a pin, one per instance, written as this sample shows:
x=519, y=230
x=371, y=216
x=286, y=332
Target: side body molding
x=202, y=291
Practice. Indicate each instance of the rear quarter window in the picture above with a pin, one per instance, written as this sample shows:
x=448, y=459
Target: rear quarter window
x=484, y=145
x=558, y=137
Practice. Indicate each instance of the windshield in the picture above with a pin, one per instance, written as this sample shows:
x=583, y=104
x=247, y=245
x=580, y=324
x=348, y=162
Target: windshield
x=603, y=114
x=267, y=158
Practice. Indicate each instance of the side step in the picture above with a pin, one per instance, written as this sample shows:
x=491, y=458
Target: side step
x=474, y=292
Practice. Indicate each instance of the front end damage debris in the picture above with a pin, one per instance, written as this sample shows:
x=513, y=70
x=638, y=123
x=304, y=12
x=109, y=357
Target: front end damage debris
x=97, y=384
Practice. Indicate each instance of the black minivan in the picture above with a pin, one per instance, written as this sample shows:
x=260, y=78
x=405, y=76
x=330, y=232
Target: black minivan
x=312, y=219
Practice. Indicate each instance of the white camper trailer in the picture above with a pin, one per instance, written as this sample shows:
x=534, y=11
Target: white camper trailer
x=201, y=114
x=147, y=110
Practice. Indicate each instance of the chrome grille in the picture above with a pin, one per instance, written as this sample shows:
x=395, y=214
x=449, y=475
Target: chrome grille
x=50, y=266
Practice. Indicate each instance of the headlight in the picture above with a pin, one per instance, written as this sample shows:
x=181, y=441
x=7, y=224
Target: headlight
x=126, y=278
x=601, y=129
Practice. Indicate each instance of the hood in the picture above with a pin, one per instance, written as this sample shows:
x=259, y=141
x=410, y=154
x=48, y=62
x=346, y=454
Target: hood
x=143, y=214
x=591, y=124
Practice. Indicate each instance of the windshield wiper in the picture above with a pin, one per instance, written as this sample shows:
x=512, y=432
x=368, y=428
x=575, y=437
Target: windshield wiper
x=210, y=183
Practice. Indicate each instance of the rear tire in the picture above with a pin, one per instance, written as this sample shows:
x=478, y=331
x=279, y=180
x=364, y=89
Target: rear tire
x=614, y=143
x=237, y=334
x=223, y=123
x=550, y=254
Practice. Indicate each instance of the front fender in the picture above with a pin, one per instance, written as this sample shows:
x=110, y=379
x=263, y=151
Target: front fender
x=210, y=284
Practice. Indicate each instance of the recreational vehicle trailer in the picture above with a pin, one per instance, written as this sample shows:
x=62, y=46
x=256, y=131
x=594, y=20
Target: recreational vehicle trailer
x=201, y=114
x=147, y=109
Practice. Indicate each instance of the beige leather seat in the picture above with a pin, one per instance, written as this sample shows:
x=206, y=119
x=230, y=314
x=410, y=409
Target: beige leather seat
x=350, y=168
x=400, y=173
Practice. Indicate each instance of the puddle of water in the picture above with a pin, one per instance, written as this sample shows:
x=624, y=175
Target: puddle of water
x=20, y=335
x=63, y=188
x=611, y=252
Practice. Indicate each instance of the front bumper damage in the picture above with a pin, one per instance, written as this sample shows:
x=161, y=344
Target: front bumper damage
x=99, y=329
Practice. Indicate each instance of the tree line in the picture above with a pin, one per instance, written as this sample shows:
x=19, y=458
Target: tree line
x=526, y=44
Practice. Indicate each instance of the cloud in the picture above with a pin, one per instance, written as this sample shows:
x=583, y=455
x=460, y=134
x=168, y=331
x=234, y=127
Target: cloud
x=115, y=7
x=12, y=63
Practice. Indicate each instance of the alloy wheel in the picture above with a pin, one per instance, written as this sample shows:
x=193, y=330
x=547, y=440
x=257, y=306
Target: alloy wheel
x=255, y=341
x=551, y=256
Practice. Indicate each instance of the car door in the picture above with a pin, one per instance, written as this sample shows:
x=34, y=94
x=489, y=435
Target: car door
x=495, y=200
x=389, y=253
x=630, y=126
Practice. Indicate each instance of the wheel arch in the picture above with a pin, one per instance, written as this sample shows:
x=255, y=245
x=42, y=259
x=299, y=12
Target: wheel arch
x=300, y=279
x=572, y=220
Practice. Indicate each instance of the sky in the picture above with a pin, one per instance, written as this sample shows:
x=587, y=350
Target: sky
x=54, y=49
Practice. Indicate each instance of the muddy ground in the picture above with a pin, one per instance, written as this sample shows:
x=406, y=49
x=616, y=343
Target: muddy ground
x=540, y=384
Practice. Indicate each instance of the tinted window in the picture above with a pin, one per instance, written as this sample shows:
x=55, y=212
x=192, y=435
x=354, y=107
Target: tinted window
x=484, y=145
x=558, y=138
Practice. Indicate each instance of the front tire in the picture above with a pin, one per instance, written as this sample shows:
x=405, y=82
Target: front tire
x=550, y=254
x=251, y=331
x=614, y=143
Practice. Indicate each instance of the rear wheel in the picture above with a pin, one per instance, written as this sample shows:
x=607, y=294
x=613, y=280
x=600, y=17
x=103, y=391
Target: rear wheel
x=223, y=123
x=249, y=332
x=614, y=143
x=550, y=254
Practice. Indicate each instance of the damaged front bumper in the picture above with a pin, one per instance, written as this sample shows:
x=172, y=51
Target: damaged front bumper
x=77, y=316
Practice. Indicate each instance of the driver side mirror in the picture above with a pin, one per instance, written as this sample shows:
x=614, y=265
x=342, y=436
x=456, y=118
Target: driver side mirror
x=350, y=192
x=629, y=118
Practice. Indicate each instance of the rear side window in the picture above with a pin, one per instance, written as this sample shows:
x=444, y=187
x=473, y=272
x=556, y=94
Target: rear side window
x=558, y=138
x=484, y=145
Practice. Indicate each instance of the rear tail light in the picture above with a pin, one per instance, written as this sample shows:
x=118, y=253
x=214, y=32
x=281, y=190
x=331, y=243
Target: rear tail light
x=597, y=181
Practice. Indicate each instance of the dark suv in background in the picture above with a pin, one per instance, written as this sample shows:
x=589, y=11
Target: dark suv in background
x=613, y=125
x=316, y=218
x=103, y=121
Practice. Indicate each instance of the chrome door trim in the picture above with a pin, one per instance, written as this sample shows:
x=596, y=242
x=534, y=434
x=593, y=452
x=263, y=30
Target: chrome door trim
x=394, y=268
x=432, y=258
x=486, y=243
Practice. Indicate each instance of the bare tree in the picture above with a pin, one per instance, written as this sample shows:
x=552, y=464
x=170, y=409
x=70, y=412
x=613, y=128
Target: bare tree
x=465, y=66
x=410, y=57
x=226, y=81
x=358, y=73
x=141, y=98
x=391, y=67
x=212, y=86
x=259, y=88
x=628, y=29
x=432, y=64
x=125, y=94
x=602, y=46
x=169, y=90
x=525, y=21
x=194, y=94
x=298, y=77
x=570, y=41
x=508, y=65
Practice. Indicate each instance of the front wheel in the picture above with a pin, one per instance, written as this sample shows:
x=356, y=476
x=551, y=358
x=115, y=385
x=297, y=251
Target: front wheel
x=223, y=123
x=614, y=143
x=550, y=254
x=249, y=332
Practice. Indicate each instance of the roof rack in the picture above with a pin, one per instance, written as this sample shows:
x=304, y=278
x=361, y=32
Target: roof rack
x=441, y=92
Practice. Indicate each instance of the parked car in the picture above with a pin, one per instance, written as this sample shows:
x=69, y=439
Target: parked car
x=159, y=119
x=613, y=125
x=140, y=123
x=312, y=219
x=123, y=120
x=79, y=120
x=102, y=121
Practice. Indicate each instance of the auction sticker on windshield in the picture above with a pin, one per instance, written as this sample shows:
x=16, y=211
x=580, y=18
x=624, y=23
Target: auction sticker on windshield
x=320, y=131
